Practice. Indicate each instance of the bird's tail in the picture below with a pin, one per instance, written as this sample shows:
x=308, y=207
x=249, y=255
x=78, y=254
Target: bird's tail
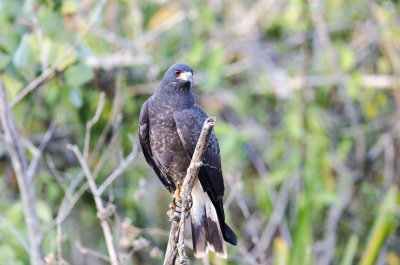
x=206, y=231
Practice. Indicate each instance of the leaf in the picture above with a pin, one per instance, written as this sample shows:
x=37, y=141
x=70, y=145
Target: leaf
x=54, y=50
x=43, y=211
x=8, y=255
x=78, y=75
x=52, y=24
x=302, y=253
x=27, y=52
x=75, y=97
x=195, y=55
x=347, y=59
x=69, y=7
x=4, y=60
x=281, y=252
x=384, y=224
x=214, y=64
x=12, y=84
x=350, y=250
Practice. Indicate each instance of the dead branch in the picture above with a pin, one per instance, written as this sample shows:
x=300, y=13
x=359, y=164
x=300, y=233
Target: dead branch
x=88, y=251
x=38, y=155
x=176, y=235
x=101, y=209
x=92, y=122
x=27, y=190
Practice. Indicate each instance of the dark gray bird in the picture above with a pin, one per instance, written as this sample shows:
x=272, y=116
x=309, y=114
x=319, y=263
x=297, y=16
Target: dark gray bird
x=169, y=127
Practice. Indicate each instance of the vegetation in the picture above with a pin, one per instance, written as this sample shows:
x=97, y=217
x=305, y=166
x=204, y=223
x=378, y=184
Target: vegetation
x=306, y=96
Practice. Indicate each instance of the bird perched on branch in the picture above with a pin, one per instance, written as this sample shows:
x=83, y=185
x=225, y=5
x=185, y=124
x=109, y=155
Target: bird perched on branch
x=169, y=127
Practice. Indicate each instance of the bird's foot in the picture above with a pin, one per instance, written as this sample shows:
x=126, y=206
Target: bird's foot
x=175, y=207
x=178, y=191
x=173, y=213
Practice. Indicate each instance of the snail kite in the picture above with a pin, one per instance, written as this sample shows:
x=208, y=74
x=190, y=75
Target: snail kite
x=169, y=127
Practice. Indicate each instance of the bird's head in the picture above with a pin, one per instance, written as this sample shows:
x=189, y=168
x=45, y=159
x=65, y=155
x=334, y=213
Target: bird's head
x=179, y=76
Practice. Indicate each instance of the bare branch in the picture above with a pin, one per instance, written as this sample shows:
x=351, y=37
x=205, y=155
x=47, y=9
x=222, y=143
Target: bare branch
x=92, y=122
x=27, y=190
x=38, y=155
x=88, y=251
x=99, y=205
x=176, y=236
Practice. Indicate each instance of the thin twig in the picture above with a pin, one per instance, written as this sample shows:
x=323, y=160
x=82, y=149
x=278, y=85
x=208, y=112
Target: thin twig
x=88, y=251
x=176, y=239
x=71, y=199
x=35, y=161
x=92, y=122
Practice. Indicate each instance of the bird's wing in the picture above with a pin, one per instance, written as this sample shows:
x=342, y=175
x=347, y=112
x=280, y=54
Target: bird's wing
x=144, y=138
x=189, y=124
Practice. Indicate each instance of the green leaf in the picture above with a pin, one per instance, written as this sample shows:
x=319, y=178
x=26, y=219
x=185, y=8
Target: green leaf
x=52, y=24
x=384, y=225
x=4, y=60
x=8, y=255
x=78, y=75
x=281, y=252
x=195, y=55
x=12, y=84
x=69, y=7
x=302, y=253
x=75, y=97
x=27, y=52
x=347, y=59
x=54, y=50
x=350, y=251
x=44, y=211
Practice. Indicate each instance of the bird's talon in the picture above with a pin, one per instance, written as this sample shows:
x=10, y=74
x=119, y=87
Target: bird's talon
x=170, y=213
x=179, y=184
x=175, y=216
x=187, y=215
x=176, y=194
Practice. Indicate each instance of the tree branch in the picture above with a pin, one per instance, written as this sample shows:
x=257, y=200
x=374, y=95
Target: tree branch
x=176, y=235
x=26, y=189
x=92, y=122
x=102, y=212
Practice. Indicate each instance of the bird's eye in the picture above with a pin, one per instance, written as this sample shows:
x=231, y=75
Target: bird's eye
x=177, y=72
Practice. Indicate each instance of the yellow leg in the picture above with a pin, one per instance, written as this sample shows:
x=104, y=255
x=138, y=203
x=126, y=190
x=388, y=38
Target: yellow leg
x=175, y=201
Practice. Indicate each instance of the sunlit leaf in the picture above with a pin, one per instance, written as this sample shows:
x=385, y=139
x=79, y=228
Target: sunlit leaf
x=78, y=75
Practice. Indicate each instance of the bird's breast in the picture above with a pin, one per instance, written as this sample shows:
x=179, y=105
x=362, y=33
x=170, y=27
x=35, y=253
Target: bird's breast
x=166, y=144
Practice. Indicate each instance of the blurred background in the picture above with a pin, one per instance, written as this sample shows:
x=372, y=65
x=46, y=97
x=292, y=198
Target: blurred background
x=306, y=96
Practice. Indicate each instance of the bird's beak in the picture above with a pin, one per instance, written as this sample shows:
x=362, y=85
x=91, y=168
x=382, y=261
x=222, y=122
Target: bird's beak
x=187, y=76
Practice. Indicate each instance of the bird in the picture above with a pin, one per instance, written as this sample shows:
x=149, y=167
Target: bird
x=170, y=123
